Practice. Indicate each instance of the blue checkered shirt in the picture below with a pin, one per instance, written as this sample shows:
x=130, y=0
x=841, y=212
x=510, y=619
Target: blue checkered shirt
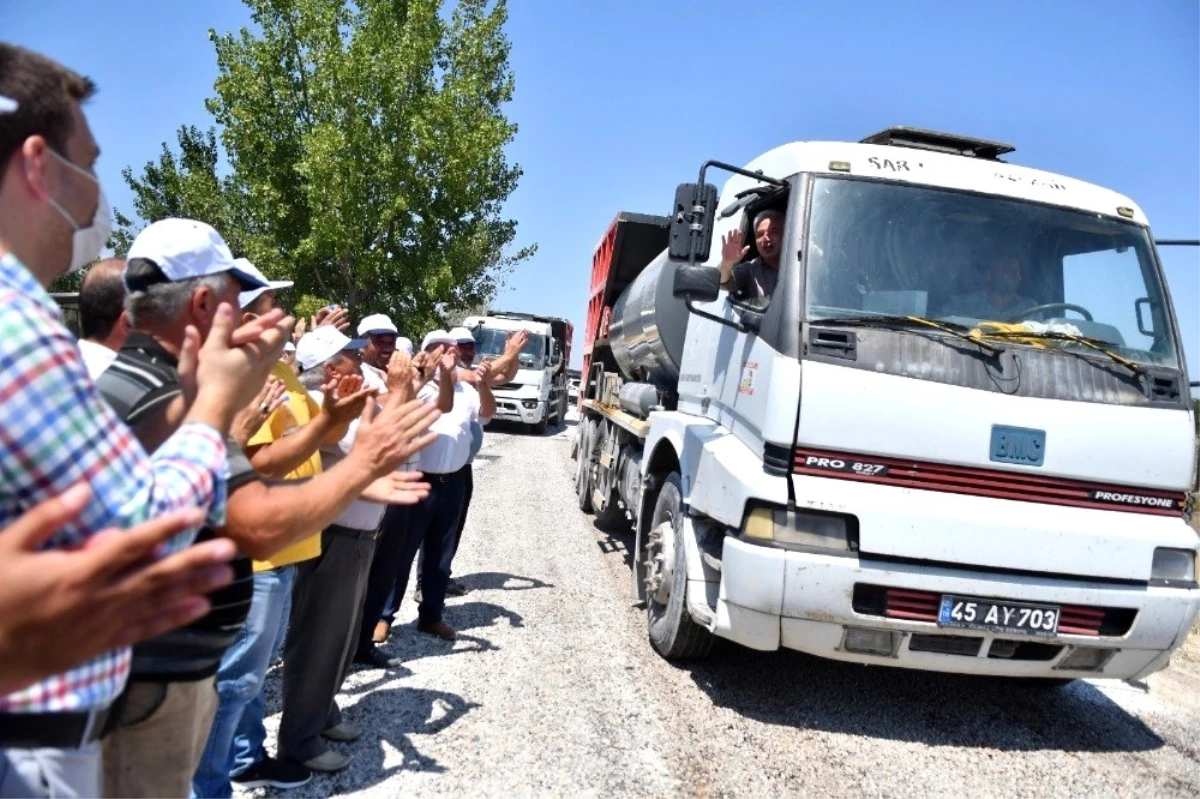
x=55, y=430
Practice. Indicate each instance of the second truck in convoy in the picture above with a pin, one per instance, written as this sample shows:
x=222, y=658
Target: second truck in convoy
x=537, y=396
x=956, y=437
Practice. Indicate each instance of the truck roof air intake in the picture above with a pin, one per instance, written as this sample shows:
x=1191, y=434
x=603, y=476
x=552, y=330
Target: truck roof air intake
x=918, y=139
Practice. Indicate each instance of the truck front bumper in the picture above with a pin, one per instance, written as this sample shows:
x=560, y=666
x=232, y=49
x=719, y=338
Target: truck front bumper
x=510, y=409
x=771, y=597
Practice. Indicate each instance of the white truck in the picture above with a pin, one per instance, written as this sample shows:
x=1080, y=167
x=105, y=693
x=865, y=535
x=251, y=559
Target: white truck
x=538, y=393
x=913, y=453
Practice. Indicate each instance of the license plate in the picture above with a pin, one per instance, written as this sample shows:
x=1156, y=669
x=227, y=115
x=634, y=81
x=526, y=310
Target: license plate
x=997, y=616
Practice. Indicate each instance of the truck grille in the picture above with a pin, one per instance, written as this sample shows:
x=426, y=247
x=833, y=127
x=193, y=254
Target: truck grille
x=913, y=605
x=988, y=483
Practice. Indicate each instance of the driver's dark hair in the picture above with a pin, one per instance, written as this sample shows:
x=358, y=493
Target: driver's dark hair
x=767, y=213
x=43, y=91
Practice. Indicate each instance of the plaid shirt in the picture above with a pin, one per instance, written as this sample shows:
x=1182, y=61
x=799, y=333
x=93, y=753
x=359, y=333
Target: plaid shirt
x=55, y=431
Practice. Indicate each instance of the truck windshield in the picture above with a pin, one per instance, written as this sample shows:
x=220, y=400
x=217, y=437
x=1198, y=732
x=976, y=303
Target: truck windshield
x=489, y=343
x=971, y=260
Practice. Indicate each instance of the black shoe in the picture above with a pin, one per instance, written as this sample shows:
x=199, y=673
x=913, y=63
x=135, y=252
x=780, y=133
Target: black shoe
x=455, y=588
x=375, y=658
x=272, y=773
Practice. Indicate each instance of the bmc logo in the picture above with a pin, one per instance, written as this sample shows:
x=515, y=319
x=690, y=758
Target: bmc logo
x=1021, y=445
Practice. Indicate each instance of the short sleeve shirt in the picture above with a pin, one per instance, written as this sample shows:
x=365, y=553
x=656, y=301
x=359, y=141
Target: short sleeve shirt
x=300, y=411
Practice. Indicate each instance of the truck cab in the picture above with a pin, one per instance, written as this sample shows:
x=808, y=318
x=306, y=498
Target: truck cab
x=537, y=395
x=955, y=437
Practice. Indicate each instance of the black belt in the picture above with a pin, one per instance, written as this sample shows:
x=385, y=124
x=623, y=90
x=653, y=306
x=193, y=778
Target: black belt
x=445, y=477
x=52, y=730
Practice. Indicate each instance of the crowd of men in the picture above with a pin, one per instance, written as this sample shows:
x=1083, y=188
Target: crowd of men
x=198, y=487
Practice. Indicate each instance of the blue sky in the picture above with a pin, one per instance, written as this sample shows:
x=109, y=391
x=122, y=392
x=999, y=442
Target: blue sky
x=617, y=102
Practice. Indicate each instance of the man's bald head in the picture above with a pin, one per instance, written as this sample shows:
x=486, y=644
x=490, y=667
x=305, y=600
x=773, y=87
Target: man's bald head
x=102, y=304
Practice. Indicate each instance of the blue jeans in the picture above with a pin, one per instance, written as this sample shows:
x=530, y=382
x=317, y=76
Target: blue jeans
x=236, y=740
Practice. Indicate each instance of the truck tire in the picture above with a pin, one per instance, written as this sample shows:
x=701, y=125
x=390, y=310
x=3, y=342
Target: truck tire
x=583, y=466
x=537, y=428
x=674, y=634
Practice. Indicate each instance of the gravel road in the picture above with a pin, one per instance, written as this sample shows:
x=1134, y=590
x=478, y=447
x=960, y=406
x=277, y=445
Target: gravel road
x=553, y=689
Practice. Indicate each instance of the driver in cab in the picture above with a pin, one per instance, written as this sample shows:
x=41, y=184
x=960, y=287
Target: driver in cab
x=999, y=299
x=756, y=278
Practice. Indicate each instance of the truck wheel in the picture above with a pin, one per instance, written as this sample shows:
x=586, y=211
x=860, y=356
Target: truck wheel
x=583, y=467
x=537, y=428
x=673, y=632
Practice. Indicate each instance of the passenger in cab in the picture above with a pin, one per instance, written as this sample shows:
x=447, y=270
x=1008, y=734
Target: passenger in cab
x=757, y=277
x=999, y=299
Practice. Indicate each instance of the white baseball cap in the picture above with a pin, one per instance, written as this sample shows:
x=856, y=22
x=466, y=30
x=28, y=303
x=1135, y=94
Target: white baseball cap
x=289, y=346
x=376, y=323
x=435, y=337
x=183, y=249
x=322, y=344
x=405, y=344
x=462, y=336
x=247, y=297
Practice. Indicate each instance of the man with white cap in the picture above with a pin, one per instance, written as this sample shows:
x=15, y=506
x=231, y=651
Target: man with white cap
x=284, y=447
x=383, y=340
x=329, y=589
x=433, y=522
x=465, y=344
x=263, y=298
x=61, y=440
x=178, y=273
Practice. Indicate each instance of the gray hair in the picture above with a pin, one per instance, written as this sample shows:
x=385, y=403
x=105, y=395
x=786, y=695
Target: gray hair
x=770, y=213
x=162, y=303
x=313, y=378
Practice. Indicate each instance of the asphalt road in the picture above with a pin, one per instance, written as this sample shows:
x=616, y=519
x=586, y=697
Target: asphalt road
x=552, y=688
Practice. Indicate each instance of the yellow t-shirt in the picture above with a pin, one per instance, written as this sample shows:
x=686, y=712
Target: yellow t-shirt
x=300, y=409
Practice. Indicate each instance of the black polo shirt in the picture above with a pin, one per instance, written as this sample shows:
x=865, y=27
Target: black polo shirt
x=139, y=385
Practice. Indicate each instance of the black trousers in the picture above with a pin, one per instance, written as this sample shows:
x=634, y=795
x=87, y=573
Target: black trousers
x=327, y=602
x=384, y=568
x=466, y=505
x=433, y=526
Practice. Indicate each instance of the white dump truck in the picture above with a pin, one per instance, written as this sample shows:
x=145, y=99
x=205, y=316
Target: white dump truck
x=537, y=396
x=956, y=436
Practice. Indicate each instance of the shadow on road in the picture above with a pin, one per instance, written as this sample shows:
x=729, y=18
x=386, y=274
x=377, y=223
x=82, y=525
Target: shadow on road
x=516, y=428
x=797, y=690
x=614, y=538
x=500, y=581
x=410, y=711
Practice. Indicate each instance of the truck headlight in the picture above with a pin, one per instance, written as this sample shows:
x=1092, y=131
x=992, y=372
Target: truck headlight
x=803, y=528
x=1174, y=564
x=529, y=403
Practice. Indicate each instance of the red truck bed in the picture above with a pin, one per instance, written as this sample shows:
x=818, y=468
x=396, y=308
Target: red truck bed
x=629, y=244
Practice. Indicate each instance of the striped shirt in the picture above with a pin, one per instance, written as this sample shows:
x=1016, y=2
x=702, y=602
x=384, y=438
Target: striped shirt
x=55, y=431
x=140, y=384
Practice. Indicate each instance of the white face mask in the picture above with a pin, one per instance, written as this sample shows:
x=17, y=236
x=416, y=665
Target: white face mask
x=86, y=242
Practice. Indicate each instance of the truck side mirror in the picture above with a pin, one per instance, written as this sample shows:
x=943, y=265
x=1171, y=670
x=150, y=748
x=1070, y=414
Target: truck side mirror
x=692, y=222
x=697, y=283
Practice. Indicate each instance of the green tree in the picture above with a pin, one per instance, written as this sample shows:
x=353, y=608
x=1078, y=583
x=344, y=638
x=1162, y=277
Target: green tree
x=365, y=143
x=182, y=185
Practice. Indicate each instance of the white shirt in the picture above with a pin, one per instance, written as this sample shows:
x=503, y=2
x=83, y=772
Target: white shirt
x=374, y=378
x=96, y=357
x=451, y=450
x=360, y=514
